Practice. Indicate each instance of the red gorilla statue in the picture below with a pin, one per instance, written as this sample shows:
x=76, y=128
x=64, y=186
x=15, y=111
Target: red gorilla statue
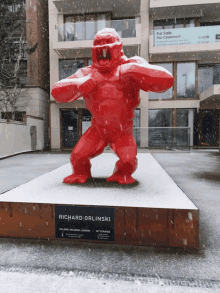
x=110, y=87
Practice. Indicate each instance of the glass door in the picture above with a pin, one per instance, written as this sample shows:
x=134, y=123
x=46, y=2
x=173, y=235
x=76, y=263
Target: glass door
x=209, y=128
x=69, y=128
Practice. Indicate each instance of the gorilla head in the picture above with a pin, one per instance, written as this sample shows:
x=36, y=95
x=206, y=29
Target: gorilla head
x=107, y=50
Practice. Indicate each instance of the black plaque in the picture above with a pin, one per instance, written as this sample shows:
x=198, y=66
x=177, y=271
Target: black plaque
x=89, y=223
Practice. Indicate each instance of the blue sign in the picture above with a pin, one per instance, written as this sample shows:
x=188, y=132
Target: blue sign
x=187, y=36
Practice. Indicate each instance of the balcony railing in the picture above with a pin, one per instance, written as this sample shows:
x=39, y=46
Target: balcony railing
x=79, y=31
x=164, y=137
x=186, y=36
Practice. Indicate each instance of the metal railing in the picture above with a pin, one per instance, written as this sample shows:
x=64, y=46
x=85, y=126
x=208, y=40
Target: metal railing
x=86, y=30
x=163, y=137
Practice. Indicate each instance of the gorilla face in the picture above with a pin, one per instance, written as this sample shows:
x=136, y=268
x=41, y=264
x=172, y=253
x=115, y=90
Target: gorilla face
x=107, y=50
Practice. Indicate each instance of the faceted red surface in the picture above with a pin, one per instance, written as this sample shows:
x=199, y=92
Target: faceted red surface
x=110, y=88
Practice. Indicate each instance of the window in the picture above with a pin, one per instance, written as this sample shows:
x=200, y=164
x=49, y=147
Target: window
x=86, y=120
x=158, y=24
x=179, y=23
x=186, y=80
x=84, y=27
x=182, y=117
x=159, y=132
x=17, y=116
x=160, y=117
x=190, y=22
x=209, y=129
x=136, y=126
x=89, y=61
x=7, y=73
x=173, y=23
x=209, y=23
x=16, y=5
x=125, y=27
x=185, y=77
x=169, y=93
x=69, y=128
x=163, y=24
x=208, y=75
x=69, y=67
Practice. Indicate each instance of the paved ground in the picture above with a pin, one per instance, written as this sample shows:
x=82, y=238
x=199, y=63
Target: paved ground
x=106, y=268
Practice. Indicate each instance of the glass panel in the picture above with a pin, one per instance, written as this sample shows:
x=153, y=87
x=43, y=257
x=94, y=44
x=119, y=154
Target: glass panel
x=90, y=30
x=73, y=18
x=17, y=115
x=136, y=125
x=101, y=22
x=69, y=31
x=125, y=27
x=160, y=118
x=68, y=18
x=158, y=24
x=86, y=120
x=185, y=80
x=69, y=67
x=158, y=27
x=89, y=61
x=89, y=17
x=182, y=118
x=75, y=28
x=208, y=75
x=179, y=23
x=209, y=127
x=205, y=77
x=169, y=93
x=216, y=74
x=69, y=128
x=209, y=23
x=79, y=30
x=190, y=22
x=168, y=24
x=160, y=121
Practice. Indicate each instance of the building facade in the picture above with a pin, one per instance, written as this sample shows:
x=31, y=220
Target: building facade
x=183, y=37
x=33, y=73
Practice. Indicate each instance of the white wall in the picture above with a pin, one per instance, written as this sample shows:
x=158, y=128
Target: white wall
x=38, y=106
x=15, y=136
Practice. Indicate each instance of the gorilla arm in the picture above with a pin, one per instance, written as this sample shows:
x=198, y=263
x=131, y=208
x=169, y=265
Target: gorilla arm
x=73, y=87
x=148, y=77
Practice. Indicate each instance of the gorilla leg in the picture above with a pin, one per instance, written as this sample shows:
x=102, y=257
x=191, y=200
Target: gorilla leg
x=89, y=146
x=126, y=150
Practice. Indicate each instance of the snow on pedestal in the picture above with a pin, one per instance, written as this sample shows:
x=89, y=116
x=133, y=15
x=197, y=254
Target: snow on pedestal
x=154, y=187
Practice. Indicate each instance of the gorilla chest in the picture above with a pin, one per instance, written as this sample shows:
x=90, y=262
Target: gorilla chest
x=108, y=103
x=108, y=91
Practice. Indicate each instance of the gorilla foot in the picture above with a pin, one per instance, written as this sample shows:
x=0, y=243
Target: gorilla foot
x=75, y=178
x=121, y=179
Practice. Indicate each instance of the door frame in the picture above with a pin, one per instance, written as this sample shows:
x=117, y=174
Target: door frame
x=79, y=126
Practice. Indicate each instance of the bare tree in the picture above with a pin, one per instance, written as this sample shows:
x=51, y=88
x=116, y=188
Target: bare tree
x=13, y=58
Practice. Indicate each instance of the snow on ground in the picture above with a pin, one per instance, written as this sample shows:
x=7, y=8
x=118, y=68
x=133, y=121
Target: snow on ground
x=68, y=283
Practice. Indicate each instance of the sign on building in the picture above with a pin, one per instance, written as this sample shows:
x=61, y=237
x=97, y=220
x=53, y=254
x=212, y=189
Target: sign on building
x=187, y=36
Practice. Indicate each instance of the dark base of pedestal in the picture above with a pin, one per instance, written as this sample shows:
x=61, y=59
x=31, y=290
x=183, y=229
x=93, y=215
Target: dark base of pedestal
x=132, y=225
